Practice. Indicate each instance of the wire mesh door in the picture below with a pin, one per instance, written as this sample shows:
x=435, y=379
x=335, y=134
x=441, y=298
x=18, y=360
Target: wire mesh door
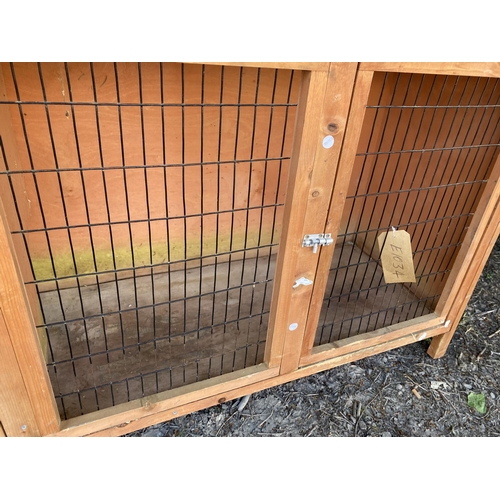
x=145, y=203
x=426, y=149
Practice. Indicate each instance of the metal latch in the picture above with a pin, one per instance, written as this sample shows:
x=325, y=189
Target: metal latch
x=314, y=240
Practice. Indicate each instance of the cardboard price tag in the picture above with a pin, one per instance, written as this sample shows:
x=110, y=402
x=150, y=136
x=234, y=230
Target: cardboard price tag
x=396, y=257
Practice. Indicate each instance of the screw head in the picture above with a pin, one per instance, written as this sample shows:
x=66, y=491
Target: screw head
x=328, y=141
x=23, y=427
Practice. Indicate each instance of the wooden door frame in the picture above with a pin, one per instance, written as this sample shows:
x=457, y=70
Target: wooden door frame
x=314, y=168
x=482, y=234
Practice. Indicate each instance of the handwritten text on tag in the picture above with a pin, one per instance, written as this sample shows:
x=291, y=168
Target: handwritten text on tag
x=396, y=257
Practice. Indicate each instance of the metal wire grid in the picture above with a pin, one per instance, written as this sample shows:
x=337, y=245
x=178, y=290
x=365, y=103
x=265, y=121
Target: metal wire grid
x=428, y=146
x=121, y=321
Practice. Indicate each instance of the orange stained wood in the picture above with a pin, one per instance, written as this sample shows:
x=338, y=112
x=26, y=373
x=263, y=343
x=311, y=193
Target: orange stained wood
x=311, y=98
x=426, y=325
x=440, y=343
x=488, y=69
x=18, y=212
x=139, y=414
x=306, y=66
x=327, y=104
x=16, y=412
x=166, y=401
x=326, y=99
x=18, y=328
x=480, y=239
x=335, y=210
x=187, y=122
x=484, y=223
x=392, y=180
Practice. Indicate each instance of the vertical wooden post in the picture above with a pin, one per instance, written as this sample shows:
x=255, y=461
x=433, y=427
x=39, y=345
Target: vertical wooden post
x=16, y=413
x=311, y=99
x=26, y=397
x=336, y=208
x=323, y=108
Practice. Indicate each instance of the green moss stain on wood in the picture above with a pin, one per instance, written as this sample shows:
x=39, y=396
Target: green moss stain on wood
x=141, y=255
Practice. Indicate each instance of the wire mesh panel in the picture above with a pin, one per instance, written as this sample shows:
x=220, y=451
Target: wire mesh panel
x=427, y=147
x=145, y=204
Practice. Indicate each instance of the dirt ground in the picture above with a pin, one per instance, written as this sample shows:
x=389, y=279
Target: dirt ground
x=402, y=392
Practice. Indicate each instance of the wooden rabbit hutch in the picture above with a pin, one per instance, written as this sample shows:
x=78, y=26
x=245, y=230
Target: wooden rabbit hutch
x=177, y=235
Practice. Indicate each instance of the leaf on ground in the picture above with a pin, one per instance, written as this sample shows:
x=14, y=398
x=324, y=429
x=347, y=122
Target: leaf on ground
x=477, y=401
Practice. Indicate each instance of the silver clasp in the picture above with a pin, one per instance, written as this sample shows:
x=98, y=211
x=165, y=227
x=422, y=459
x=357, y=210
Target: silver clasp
x=314, y=240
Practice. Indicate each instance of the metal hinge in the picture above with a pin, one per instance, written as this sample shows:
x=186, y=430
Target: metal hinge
x=314, y=240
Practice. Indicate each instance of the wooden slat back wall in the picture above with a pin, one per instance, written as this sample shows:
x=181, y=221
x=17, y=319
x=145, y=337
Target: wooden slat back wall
x=17, y=209
x=74, y=137
x=420, y=128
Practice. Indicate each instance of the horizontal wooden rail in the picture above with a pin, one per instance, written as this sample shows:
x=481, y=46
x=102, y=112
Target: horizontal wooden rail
x=424, y=324
x=153, y=414
x=487, y=69
x=121, y=415
x=306, y=66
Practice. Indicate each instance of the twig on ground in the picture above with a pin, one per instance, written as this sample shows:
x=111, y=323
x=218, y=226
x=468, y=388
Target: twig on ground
x=485, y=313
x=342, y=417
x=272, y=411
x=443, y=416
x=480, y=355
x=367, y=405
x=312, y=430
x=415, y=383
x=493, y=334
x=224, y=423
x=447, y=400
